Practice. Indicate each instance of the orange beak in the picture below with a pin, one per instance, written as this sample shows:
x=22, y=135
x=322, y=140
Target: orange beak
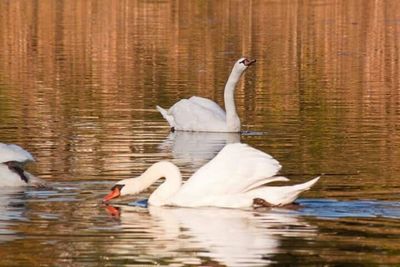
x=248, y=62
x=113, y=194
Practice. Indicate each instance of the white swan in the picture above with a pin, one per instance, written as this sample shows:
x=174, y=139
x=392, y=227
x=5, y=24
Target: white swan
x=204, y=115
x=235, y=178
x=12, y=161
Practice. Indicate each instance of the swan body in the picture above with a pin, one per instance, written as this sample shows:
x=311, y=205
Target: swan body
x=204, y=115
x=235, y=178
x=12, y=162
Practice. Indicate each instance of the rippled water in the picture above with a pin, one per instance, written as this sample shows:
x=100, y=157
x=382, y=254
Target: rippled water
x=79, y=81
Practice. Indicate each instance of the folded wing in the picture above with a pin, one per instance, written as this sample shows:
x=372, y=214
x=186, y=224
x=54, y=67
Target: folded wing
x=236, y=169
x=208, y=104
x=197, y=115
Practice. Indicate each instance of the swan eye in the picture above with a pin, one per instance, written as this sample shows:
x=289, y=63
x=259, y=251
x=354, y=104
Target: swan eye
x=243, y=61
x=119, y=186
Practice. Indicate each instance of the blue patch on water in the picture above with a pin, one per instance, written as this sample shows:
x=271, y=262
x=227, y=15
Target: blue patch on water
x=329, y=208
x=143, y=203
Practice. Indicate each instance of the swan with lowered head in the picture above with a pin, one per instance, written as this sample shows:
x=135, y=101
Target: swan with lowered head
x=12, y=162
x=235, y=178
x=204, y=115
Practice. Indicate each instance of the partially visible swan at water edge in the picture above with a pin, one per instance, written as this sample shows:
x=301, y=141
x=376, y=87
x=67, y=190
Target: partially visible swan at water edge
x=12, y=162
x=204, y=115
x=235, y=178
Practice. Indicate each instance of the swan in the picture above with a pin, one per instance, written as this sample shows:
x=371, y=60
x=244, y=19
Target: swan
x=234, y=178
x=12, y=162
x=204, y=115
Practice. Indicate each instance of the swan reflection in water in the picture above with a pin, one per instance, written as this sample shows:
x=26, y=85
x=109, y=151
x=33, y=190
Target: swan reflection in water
x=12, y=209
x=196, y=148
x=230, y=237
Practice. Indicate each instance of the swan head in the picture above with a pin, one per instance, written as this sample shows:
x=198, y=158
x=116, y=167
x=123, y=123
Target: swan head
x=115, y=192
x=132, y=186
x=123, y=188
x=243, y=63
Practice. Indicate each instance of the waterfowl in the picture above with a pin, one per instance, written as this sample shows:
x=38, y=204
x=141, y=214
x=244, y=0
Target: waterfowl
x=234, y=178
x=202, y=114
x=13, y=159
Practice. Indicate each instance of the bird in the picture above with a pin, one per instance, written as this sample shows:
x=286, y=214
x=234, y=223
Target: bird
x=204, y=115
x=13, y=159
x=234, y=178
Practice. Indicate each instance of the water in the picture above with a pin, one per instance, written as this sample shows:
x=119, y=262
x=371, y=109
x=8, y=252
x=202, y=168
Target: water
x=79, y=82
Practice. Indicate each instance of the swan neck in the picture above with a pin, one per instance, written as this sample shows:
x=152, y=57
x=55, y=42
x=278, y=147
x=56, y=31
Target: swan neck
x=232, y=118
x=168, y=188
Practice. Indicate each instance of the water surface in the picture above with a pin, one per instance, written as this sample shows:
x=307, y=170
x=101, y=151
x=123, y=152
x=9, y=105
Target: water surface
x=79, y=82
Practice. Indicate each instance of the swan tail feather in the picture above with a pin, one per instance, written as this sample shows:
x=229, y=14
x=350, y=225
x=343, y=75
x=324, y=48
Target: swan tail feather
x=308, y=185
x=166, y=116
x=294, y=191
x=264, y=181
x=281, y=195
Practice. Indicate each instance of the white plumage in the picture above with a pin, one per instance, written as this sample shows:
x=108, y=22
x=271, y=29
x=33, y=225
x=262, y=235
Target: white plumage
x=12, y=162
x=204, y=115
x=235, y=178
x=11, y=152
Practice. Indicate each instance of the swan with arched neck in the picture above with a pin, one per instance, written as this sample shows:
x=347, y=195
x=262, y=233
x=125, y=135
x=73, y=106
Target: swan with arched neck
x=202, y=114
x=235, y=178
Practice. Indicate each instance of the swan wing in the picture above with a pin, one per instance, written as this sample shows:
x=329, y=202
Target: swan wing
x=236, y=169
x=191, y=116
x=208, y=104
x=11, y=152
